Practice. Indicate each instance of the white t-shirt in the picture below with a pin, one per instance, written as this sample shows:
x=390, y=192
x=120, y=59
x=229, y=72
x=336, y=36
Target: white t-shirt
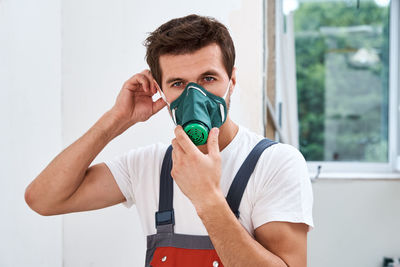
x=278, y=190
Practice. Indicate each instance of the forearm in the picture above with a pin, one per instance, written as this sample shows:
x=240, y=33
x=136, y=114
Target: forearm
x=233, y=244
x=66, y=171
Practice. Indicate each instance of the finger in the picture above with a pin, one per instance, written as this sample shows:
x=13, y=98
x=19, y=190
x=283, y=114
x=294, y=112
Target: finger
x=173, y=155
x=138, y=82
x=157, y=87
x=176, y=149
x=158, y=105
x=149, y=76
x=184, y=141
x=212, y=142
x=141, y=93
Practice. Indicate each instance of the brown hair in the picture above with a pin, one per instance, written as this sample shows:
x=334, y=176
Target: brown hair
x=186, y=35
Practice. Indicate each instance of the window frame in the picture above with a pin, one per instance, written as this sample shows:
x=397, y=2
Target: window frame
x=356, y=170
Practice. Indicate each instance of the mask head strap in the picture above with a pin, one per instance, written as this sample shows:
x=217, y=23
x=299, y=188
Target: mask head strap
x=227, y=90
x=161, y=93
x=221, y=107
x=165, y=100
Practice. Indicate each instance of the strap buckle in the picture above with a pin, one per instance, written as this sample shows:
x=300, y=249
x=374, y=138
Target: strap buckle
x=165, y=217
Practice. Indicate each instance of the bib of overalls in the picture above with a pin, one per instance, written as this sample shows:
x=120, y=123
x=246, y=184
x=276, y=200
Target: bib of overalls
x=167, y=249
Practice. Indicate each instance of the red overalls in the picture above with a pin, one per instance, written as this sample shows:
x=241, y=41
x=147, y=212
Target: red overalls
x=167, y=249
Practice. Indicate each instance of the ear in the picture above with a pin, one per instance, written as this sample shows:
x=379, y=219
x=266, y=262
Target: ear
x=233, y=79
x=157, y=86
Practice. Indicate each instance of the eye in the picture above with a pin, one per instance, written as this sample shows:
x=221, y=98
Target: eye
x=177, y=84
x=209, y=79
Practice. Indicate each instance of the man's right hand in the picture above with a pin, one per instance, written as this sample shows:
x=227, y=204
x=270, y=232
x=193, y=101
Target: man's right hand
x=134, y=102
x=68, y=184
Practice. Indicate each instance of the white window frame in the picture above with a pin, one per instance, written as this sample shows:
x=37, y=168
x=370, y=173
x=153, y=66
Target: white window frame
x=362, y=170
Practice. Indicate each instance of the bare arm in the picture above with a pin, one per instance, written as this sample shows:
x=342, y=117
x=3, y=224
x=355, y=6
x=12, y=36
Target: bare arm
x=277, y=244
x=66, y=172
x=67, y=184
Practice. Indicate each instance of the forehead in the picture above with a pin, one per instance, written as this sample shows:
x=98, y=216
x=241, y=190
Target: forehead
x=192, y=64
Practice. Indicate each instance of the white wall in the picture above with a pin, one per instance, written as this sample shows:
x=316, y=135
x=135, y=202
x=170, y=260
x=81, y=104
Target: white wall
x=357, y=223
x=102, y=48
x=30, y=129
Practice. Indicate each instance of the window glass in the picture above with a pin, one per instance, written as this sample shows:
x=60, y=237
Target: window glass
x=342, y=72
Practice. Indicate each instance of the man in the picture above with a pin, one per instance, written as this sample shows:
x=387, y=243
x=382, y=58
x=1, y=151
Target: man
x=195, y=55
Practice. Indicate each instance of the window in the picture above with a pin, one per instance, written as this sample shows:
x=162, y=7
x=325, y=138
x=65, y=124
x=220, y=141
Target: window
x=345, y=71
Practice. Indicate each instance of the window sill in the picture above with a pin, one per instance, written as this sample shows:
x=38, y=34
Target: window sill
x=356, y=176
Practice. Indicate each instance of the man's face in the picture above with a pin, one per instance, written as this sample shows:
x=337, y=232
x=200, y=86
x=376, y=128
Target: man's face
x=203, y=67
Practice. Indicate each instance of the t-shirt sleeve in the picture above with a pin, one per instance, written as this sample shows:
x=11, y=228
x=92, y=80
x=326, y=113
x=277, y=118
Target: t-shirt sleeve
x=284, y=191
x=120, y=169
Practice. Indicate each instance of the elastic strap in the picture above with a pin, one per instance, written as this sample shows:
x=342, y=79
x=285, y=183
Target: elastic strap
x=165, y=213
x=242, y=177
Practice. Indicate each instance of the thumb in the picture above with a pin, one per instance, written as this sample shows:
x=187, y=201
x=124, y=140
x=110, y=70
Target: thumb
x=212, y=142
x=158, y=105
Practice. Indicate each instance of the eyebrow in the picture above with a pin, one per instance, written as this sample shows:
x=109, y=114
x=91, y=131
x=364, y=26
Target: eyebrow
x=206, y=73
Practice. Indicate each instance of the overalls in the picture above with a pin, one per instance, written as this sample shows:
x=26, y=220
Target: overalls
x=165, y=248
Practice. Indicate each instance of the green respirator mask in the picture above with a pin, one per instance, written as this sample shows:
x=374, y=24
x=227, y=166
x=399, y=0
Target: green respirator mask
x=198, y=111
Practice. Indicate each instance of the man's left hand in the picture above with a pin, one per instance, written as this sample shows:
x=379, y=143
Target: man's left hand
x=197, y=174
